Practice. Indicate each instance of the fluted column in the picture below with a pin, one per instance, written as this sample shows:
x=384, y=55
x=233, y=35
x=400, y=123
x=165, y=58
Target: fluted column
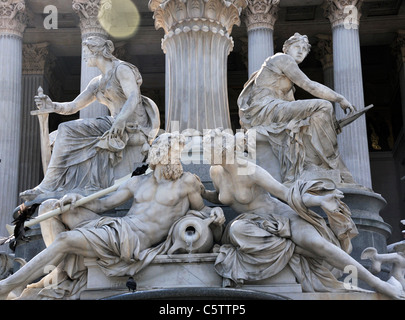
x=344, y=16
x=33, y=76
x=324, y=53
x=197, y=43
x=260, y=17
x=88, y=11
x=12, y=25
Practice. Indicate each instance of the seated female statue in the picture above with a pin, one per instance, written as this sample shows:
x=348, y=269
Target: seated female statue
x=301, y=133
x=89, y=154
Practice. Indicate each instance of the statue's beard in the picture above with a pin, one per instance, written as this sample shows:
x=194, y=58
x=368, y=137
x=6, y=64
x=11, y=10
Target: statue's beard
x=172, y=171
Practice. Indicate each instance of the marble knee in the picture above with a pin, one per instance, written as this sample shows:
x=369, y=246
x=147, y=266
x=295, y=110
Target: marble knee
x=325, y=107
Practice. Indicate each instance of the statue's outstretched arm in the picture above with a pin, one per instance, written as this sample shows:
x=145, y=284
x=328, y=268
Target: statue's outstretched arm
x=86, y=97
x=290, y=68
x=46, y=105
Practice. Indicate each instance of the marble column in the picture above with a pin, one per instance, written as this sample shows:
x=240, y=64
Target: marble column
x=324, y=53
x=33, y=76
x=260, y=17
x=12, y=25
x=197, y=43
x=344, y=16
x=90, y=26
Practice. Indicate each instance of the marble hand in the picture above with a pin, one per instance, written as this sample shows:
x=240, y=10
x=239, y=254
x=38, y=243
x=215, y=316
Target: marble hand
x=43, y=102
x=70, y=198
x=218, y=215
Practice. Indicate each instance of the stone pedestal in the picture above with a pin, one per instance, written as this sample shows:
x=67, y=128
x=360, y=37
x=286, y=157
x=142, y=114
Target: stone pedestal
x=260, y=17
x=12, y=25
x=193, y=276
x=197, y=43
x=90, y=26
x=181, y=271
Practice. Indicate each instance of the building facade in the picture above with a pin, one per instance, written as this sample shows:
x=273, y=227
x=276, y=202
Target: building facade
x=358, y=48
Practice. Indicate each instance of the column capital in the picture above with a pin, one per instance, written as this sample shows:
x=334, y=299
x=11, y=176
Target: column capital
x=176, y=15
x=13, y=18
x=88, y=11
x=343, y=12
x=261, y=14
x=34, y=57
x=324, y=50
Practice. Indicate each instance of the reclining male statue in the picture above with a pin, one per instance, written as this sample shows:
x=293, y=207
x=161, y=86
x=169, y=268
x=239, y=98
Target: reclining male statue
x=122, y=245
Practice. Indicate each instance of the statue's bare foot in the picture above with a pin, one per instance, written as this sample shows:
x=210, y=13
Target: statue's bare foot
x=392, y=288
x=4, y=291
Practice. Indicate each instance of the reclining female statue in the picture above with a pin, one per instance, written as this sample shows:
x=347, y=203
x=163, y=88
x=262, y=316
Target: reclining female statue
x=89, y=154
x=276, y=226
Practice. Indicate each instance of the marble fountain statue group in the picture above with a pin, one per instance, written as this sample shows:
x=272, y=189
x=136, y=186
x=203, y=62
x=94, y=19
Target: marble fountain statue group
x=170, y=212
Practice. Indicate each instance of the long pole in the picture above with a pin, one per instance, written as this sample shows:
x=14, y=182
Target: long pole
x=67, y=207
